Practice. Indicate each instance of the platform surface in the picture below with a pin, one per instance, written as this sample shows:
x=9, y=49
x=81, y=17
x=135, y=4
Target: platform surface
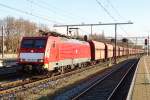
x=141, y=89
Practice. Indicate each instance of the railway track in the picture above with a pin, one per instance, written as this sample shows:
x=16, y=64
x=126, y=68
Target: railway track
x=26, y=85
x=113, y=86
x=10, y=89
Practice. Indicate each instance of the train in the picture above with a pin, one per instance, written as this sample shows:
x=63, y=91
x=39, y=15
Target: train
x=55, y=53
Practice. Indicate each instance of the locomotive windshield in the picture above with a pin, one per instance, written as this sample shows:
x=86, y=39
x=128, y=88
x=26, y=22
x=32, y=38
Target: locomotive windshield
x=33, y=43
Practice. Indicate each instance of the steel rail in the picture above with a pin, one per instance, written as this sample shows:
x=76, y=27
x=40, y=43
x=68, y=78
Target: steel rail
x=32, y=83
x=96, y=83
x=115, y=89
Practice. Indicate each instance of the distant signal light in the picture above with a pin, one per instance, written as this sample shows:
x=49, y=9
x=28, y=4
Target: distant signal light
x=146, y=41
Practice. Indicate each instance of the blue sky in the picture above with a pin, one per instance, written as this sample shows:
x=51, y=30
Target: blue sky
x=84, y=11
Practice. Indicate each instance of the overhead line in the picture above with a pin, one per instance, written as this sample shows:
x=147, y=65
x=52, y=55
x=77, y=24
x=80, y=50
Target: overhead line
x=38, y=5
x=105, y=10
x=27, y=13
x=117, y=12
x=110, y=15
x=62, y=11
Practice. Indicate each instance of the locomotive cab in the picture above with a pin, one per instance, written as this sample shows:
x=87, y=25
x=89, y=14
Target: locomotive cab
x=32, y=51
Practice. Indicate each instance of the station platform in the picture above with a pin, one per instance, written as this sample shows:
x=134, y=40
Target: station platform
x=140, y=88
x=8, y=60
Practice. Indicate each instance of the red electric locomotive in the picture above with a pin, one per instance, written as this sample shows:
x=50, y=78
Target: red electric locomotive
x=51, y=53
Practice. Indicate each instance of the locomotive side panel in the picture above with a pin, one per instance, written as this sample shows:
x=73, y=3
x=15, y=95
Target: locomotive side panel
x=69, y=52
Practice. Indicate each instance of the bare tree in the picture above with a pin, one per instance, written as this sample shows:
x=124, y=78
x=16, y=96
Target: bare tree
x=15, y=29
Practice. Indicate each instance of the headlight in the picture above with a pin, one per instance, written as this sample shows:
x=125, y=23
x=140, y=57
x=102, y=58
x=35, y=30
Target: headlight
x=40, y=60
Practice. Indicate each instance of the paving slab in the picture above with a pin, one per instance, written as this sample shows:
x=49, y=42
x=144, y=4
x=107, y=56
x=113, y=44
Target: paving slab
x=141, y=88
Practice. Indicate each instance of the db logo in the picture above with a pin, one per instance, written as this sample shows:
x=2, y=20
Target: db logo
x=32, y=51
